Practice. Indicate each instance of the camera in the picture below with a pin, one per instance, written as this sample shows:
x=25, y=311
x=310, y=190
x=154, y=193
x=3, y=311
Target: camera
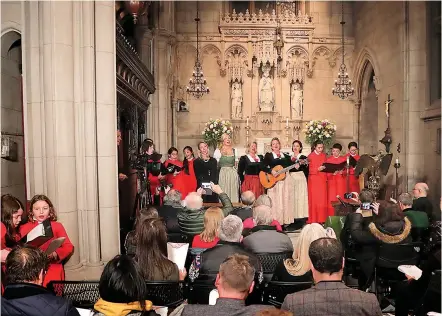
x=163, y=187
x=348, y=195
x=207, y=187
x=365, y=206
x=150, y=162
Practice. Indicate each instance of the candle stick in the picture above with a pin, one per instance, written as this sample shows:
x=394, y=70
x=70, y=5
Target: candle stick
x=287, y=122
x=397, y=160
x=247, y=121
x=348, y=160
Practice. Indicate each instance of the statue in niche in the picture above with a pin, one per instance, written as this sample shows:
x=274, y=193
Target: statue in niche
x=266, y=94
x=236, y=97
x=297, y=100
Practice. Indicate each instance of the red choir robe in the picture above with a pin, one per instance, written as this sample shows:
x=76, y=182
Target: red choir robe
x=336, y=183
x=189, y=179
x=354, y=180
x=178, y=181
x=55, y=270
x=317, y=189
x=3, y=246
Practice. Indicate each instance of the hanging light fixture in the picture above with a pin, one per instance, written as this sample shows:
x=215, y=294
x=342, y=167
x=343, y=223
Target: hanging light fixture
x=343, y=88
x=197, y=84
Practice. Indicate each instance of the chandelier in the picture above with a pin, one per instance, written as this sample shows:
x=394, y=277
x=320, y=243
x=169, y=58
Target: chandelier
x=343, y=88
x=197, y=84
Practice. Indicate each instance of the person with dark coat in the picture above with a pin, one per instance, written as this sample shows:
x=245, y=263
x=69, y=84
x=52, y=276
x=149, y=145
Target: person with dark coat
x=24, y=293
x=389, y=226
x=421, y=202
x=245, y=211
x=169, y=211
x=206, y=171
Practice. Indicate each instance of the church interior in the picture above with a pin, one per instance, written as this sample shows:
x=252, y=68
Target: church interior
x=75, y=72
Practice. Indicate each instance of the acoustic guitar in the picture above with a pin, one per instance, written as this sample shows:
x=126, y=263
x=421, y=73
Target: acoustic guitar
x=268, y=181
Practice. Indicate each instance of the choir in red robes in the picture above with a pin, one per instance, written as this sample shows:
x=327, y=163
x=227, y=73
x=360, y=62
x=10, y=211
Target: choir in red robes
x=354, y=180
x=4, y=246
x=336, y=183
x=317, y=189
x=178, y=181
x=55, y=270
x=188, y=174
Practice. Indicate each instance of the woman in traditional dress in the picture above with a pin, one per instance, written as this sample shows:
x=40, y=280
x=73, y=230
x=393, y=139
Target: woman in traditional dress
x=173, y=170
x=299, y=174
x=188, y=172
x=228, y=176
x=282, y=193
x=249, y=167
x=317, y=185
x=353, y=180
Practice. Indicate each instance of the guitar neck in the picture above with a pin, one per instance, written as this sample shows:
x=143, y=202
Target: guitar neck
x=286, y=169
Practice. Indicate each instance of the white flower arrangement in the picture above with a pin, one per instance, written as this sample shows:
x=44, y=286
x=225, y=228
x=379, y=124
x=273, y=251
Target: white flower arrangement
x=214, y=129
x=322, y=130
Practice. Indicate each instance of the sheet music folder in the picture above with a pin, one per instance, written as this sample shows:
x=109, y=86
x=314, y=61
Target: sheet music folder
x=332, y=167
x=39, y=234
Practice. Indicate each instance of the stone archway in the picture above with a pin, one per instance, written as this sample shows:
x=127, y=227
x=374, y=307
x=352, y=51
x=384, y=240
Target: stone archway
x=13, y=167
x=368, y=115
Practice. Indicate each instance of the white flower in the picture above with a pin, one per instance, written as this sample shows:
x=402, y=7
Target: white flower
x=320, y=126
x=228, y=131
x=203, y=132
x=224, y=129
x=211, y=126
x=334, y=127
x=311, y=128
x=327, y=135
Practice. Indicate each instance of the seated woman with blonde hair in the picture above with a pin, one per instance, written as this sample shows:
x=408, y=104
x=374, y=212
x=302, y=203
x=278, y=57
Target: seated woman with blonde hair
x=209, y=237
x=298, y=268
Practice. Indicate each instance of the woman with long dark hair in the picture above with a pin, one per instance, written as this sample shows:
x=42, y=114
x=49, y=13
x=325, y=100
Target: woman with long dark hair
x=12, y=211
x=151, y=252
x=189, y=172
x=173, y=170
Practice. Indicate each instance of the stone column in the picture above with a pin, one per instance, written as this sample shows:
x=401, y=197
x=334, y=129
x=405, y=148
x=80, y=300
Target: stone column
x=106, y=113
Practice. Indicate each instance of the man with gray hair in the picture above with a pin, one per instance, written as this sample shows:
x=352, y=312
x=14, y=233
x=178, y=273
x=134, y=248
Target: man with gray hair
x=169, y=211
x=264, y=237
x=421, y=202
x=230, y=243
x=419, y=220
x=245, y=211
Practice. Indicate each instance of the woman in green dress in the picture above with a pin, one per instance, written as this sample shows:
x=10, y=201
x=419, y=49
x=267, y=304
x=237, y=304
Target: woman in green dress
x=228, y=176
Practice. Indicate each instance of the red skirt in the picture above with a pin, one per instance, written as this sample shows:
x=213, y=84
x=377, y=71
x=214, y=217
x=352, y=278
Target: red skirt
x=55, y=273
x=252, y=183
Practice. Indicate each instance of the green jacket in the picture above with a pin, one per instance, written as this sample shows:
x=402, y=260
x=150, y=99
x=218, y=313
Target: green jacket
x=192, y=222
x=418, y=219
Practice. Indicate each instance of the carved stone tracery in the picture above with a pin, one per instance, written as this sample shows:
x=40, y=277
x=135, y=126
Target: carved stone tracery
x=236, y=62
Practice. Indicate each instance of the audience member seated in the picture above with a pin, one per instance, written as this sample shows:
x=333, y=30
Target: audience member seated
x=169, y=211
x=41, y=209
x=249, y=223
x=234, y=282
x=24, y=294
x=411, y=292
x=12, y=212
x=389, y=226
x=263, y=237
x=330, y=296
x=209, y=237
x=191, y=217
x=206, y=266
x=422, y=203
x=419, y=220
x=122, y=288
x=130, y=244
x=298, y=268
x=151, y=252
x=245, y=211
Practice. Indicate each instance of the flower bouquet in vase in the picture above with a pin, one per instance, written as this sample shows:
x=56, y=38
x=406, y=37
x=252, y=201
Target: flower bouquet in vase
x=214, y=129
x=322, y=130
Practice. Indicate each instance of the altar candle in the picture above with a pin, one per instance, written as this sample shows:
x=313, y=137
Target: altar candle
x=397, y=161
x=348, y=160
x=287, y=122
x=247, y=121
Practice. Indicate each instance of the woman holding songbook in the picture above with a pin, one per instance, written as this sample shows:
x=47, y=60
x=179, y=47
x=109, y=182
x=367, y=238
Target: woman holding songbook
x=282, y=193
x=299, y=175
x=172, y=168
x=317, y=185
x=249, y=167
x=188, y=172
x=336, y=181
x=42, y=209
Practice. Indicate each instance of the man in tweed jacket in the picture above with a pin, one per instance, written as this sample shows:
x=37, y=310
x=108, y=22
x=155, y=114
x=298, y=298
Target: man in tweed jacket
x=329, y=296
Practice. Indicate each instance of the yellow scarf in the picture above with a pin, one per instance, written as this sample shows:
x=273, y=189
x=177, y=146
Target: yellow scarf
x=119, y=309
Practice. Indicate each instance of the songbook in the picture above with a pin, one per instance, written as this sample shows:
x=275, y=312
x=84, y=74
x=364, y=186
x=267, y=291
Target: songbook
x=39, y=234
x=54, y=245
x=411, y=270
x=332, y=167
x=177, y=253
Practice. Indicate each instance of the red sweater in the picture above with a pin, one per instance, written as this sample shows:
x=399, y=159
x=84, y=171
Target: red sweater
x=198, y=243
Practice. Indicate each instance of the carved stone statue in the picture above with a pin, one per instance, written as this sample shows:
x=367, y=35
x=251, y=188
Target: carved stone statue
x=297, y=100
x=236, y=97
x=266, y=91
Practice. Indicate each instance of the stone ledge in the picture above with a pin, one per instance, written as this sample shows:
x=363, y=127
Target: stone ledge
x=431, y=113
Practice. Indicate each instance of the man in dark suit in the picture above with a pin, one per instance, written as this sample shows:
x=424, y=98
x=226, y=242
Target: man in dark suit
x=421, y=202
x=234, y=282
x=245, y=211
x=168, y=211
x=330, y=296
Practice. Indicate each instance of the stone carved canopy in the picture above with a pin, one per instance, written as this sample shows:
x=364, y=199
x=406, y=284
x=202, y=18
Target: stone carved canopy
x=297, y=64
x=236, y=63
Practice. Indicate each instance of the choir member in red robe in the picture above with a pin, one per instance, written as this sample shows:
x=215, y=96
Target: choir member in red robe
x=41, y=209
x=174, y=171
x=188, y=172
x=336, y=182
x=353, y=180
x=12, y=211
x=317, y=185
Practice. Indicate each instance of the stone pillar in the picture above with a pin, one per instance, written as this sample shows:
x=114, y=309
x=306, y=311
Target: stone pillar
x=106, y=113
